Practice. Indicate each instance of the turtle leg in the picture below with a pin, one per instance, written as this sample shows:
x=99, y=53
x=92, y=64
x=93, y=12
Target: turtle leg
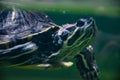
x=86, y=64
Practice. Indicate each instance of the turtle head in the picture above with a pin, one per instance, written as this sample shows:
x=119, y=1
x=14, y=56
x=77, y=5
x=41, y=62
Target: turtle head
x=77, y=35
x=83, y=30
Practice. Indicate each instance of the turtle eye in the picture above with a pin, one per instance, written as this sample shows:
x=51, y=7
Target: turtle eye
x=80, y=23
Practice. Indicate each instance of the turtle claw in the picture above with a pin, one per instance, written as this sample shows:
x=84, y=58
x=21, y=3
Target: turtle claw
x=90, y=75
x=67, y=64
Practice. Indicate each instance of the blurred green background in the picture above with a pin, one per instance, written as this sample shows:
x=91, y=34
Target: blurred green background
x=106, y=44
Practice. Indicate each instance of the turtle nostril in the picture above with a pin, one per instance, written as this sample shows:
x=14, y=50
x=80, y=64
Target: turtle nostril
x=80, y=23
x=89, y=20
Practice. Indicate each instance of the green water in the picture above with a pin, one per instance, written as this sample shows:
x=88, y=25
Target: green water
x=106, y=46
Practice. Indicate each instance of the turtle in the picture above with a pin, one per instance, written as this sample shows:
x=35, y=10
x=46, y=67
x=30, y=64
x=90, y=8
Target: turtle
x=30, y=38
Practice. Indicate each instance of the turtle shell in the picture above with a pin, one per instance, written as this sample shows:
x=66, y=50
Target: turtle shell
x=19, y=26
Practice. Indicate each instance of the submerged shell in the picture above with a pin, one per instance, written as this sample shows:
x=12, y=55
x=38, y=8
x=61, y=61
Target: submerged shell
x=20, y=24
